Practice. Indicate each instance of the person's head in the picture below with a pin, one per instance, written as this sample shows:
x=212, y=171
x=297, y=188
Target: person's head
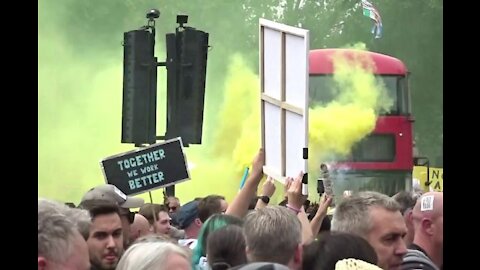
x=157, y=216
x=212, y=224
x=105, y=241
x=332, y=247
x=212, y=204
x=139, y=227
x=155, y=256
x=187, y=218
x=153, y=237
x=173, y=204
x=273, y=234
x=427, y=216
x=377, y=218
x=60, y=245
x=80, y=217
x=112, y=194
x=260, y=266
x=407, y=201
x=226, y=248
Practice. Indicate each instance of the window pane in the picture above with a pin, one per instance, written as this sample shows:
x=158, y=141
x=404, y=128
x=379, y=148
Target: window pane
x=324, y=89
x=375, y=148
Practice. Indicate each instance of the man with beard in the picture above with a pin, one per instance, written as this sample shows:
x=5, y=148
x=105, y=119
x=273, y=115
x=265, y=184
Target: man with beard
x=105, y=240
x=112, y=194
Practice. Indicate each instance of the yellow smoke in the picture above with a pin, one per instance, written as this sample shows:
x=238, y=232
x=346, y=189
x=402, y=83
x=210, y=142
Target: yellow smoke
x=335, y=127
x=69, y=153
x=220, y=165
x=238, y=136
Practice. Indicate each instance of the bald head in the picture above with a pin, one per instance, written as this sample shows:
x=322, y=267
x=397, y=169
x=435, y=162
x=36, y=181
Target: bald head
x=427, y=218
x=429, y=205
x=139, y=227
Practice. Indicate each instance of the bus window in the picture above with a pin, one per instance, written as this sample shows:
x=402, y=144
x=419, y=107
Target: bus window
x=324, y=89
x=374, y=148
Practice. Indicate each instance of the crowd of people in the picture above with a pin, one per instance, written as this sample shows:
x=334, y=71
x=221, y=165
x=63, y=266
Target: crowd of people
x=368, y=230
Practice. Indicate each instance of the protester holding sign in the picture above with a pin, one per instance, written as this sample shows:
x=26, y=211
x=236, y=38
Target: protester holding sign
x=239, y=206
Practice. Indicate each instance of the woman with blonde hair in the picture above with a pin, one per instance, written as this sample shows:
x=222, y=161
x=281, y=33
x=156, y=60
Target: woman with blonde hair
x=155, y=255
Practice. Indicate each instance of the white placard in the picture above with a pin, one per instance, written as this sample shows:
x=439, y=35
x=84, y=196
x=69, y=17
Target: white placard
x=284, y=99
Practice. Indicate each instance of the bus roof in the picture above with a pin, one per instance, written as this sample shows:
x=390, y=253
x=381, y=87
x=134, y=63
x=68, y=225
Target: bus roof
x=321, y=61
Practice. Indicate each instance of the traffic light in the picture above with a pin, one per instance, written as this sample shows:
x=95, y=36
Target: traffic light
x=186, y=70
x=139, y=88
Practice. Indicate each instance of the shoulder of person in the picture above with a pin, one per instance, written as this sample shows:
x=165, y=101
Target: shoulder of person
x=415, y=259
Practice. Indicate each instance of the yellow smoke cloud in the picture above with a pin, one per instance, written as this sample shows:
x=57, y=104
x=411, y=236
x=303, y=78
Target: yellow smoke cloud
x=69, y=150
x=220, y=165
x=238, y=136
x=333, y=128
x=336, y=126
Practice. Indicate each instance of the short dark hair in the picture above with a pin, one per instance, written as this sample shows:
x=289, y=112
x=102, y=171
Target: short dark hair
x=208, y=206
x=212, y=224
x=148, y=209
x=406, y=200
x=103, y=208
x=226, y=247
x=335, y=246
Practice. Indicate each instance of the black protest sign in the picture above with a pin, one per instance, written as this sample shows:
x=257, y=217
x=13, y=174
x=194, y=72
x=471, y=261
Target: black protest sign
x=152, y=167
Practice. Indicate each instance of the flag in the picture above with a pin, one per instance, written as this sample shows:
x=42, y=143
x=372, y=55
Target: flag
x=370, y=11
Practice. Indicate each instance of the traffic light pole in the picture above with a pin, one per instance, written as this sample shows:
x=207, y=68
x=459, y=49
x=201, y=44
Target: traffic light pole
x=186, y=61
x=152, y=15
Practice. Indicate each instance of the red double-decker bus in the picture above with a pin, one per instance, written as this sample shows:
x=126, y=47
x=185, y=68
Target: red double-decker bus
x=383, y=160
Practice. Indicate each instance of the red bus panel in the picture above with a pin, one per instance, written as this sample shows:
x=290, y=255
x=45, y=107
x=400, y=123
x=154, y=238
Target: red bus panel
x=321, y=62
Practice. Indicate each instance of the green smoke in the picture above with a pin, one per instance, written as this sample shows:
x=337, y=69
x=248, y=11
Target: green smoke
x=80, y=74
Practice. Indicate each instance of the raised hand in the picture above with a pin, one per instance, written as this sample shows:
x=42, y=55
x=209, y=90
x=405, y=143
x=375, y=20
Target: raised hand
x=268, y=187
x=324, y=204
x=257, y=164
x=294, y=191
